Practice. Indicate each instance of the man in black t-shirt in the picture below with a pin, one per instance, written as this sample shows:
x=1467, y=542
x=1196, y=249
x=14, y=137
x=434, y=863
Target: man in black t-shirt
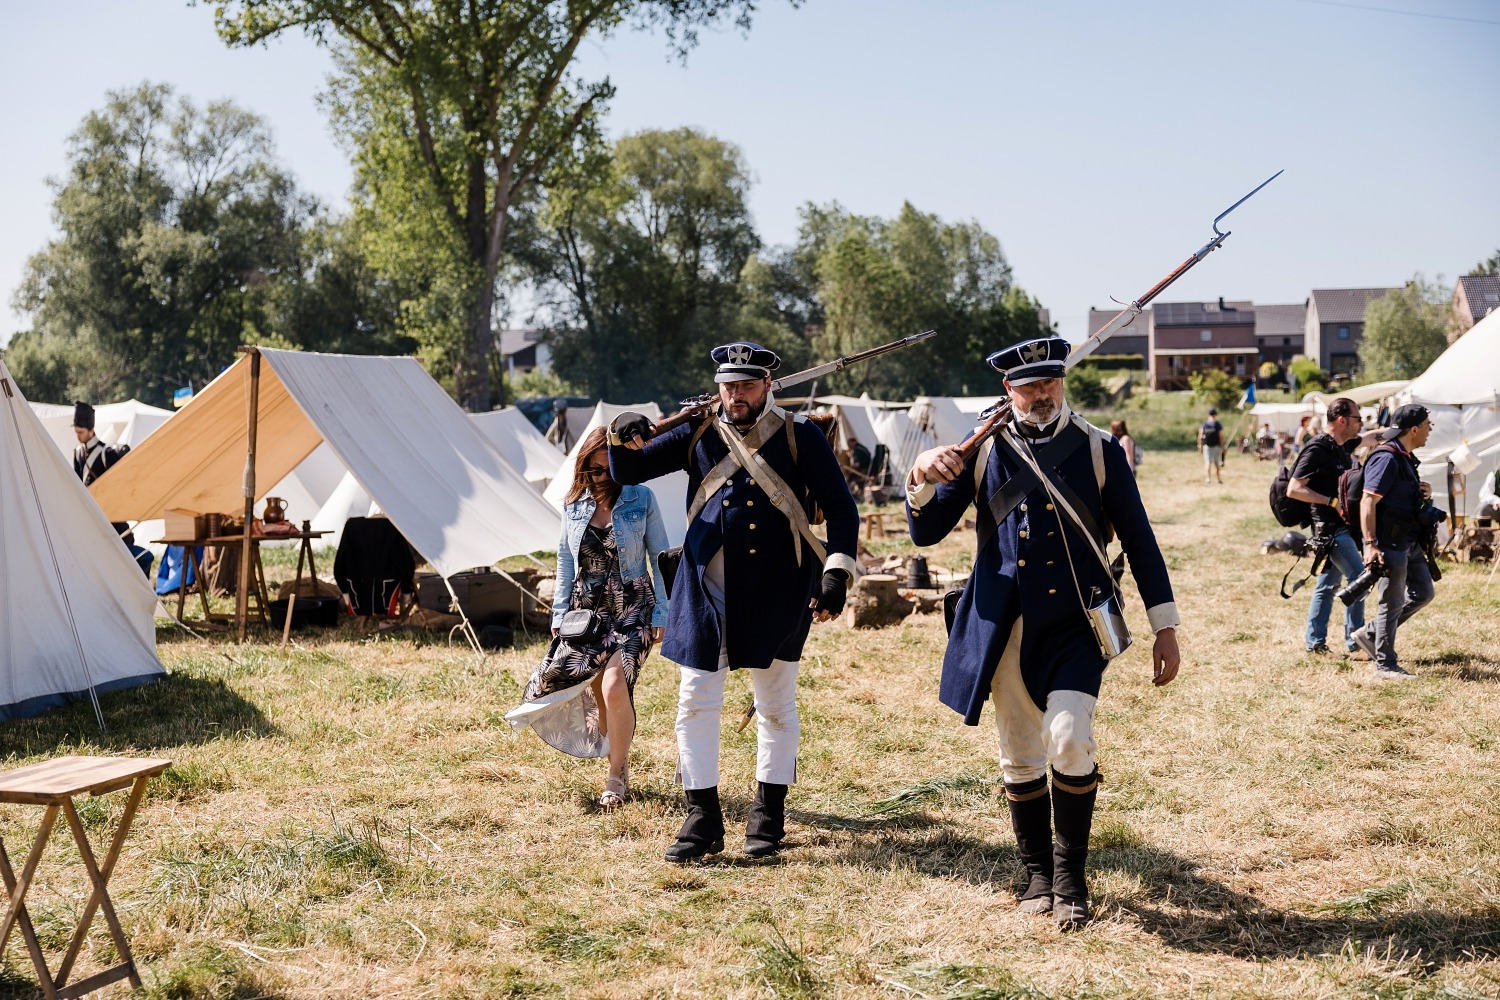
x=1211, y=442
x=1315, y=480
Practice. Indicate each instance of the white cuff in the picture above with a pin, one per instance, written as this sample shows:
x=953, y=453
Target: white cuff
x=838, y=560
x=918, y=496
x=1163, y=616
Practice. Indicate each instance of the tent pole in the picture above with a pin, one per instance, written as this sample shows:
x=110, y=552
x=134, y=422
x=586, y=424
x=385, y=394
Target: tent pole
x=252, y=416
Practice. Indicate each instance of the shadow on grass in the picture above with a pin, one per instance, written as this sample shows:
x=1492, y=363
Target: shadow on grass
x=175, y=711
x=1460, y=666
x=1193, y=913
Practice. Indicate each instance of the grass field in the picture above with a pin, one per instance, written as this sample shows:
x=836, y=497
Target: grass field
x=353, y=818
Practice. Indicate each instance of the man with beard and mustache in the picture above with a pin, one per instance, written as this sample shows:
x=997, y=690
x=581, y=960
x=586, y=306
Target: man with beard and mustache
x=752, y=579
x=1021, y=632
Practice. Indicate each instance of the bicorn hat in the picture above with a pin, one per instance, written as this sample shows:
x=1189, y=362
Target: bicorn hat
x=1032, y=360
x=743, y=360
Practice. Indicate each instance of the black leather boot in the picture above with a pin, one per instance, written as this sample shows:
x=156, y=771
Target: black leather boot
x=702, y=832
x=1031, y=818
x=767, y=822
x=1072, y=816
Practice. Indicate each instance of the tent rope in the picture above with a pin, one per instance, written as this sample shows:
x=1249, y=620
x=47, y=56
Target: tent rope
x=36, y=498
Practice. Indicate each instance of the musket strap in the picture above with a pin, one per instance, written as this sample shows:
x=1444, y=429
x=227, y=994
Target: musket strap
x=721, y=473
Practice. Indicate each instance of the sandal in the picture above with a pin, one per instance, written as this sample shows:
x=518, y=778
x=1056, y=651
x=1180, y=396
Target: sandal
x=615, y=791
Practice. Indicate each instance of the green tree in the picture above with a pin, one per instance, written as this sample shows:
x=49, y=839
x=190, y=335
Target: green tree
x=642, y=271
x=1216, y=388
x=1085, y=387
x=175, y=227
x=456, y=111
x=1491, y=265
x=1405, y=331
x=879, y=280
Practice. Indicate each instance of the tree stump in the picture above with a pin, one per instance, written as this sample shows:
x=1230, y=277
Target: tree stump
x=875, y=602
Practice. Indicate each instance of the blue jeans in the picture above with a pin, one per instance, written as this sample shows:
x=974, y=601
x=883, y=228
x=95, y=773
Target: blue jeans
x=1343, y=563
x=1405, y=589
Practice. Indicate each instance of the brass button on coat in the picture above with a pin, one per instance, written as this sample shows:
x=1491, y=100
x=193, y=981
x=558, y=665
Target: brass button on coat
x=749, y=503
x=752, y=552
x=1052, y=591
x=752, y=527
x=1020, y=562
x=726, y=503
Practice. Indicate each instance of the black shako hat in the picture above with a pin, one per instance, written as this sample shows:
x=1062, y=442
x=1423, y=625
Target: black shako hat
x=1032, y=360
x=83, y=415
x=743, y=360
x=1404, y=419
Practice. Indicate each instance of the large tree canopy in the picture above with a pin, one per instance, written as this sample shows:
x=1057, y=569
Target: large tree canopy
x=1405, y=331
x=642, y=270
x=177, y=233
x=881, y=279
x=457, y=110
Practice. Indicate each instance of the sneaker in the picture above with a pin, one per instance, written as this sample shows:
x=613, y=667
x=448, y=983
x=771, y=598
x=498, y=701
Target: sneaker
x=1392, y=674
x=1321, y=649
x=1357, y=655
x=1365, y=642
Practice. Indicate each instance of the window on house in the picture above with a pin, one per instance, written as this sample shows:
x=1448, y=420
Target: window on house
x=1343, y=333
x=1206, y=336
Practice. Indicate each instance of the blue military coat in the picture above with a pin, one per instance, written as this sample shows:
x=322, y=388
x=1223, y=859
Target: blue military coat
x=766, y=592
x=1022, y=572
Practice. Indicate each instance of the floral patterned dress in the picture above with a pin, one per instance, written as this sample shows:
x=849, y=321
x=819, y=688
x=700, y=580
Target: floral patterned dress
x=559, y=701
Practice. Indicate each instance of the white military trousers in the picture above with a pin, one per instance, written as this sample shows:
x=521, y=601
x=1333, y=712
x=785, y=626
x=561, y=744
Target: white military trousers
x=1030, y=738
x=700, y=707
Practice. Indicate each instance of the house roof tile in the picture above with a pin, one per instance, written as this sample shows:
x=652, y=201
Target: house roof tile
x=1482, y=291
x=1202, y=314
x=1280, y=321
x=1344, y=305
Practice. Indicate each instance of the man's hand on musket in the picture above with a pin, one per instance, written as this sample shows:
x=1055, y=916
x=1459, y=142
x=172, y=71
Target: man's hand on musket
x=634, y=430
x=1165, y=657
x=937, y=465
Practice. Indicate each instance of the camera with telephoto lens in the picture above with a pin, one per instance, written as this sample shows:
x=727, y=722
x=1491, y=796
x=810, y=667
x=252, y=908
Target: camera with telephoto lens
x=1357, y=588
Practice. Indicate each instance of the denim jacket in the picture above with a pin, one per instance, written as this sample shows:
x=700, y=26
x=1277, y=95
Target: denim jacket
x=640, y=536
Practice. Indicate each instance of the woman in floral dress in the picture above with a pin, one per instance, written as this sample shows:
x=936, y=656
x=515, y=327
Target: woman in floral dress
x=580, y=699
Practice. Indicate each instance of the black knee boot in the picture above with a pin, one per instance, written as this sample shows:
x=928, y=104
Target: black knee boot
x=767, y=822
x=703, y=830
x=1031, y=818
x=1073, y=815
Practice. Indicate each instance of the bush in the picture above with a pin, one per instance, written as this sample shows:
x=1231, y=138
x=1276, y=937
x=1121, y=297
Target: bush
x=1307, y=372
x=1086, y=388
x=1216, y=388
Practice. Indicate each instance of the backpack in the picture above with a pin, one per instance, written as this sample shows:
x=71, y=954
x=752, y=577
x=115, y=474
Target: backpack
x=1351, y=491
x=1211, y=437
x=1289, y=513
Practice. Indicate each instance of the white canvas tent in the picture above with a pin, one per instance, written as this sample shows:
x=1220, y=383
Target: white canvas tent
x=523, y=446
x=75, y=610
x=1462, y=391
x=670, y=490
x=392, y=427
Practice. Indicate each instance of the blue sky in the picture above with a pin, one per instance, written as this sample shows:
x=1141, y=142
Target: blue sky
x=1097, y=140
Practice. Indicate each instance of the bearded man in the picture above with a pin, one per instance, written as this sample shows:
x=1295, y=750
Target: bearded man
x=1047, y=487
x=752, y=579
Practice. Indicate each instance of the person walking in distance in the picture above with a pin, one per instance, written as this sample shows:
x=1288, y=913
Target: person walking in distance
x=1211, y=443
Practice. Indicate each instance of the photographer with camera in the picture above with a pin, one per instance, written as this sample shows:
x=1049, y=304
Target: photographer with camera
x=1315, y=481
x=1396, y=514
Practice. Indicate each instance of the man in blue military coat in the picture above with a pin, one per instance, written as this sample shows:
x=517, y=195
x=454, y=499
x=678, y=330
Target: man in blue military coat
x=752, y=579
x=1021, y=634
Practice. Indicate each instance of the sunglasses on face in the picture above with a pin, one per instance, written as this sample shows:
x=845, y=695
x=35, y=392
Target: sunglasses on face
x=596, y=471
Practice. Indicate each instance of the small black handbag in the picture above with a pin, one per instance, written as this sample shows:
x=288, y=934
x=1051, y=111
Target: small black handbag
x=582, y=626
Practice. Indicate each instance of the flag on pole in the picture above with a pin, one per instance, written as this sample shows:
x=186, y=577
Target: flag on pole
x=182, y=397
x=1248, y=399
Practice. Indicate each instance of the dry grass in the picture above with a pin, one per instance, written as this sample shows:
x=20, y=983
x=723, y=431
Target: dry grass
x=353, y=818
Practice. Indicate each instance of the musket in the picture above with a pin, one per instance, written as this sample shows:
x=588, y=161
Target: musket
x=992, y=417
x=698, y=406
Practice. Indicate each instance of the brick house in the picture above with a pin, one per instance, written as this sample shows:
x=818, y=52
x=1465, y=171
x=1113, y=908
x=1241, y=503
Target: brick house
x=1474, y=297
x=1187, y=337
x=1334, y=325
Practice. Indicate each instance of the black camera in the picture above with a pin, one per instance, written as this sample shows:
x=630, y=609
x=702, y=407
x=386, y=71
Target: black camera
x=1357, y=588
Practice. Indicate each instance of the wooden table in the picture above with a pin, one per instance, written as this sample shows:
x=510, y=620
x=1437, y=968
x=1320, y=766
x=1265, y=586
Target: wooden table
x=53, y=784
x=259, y=595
